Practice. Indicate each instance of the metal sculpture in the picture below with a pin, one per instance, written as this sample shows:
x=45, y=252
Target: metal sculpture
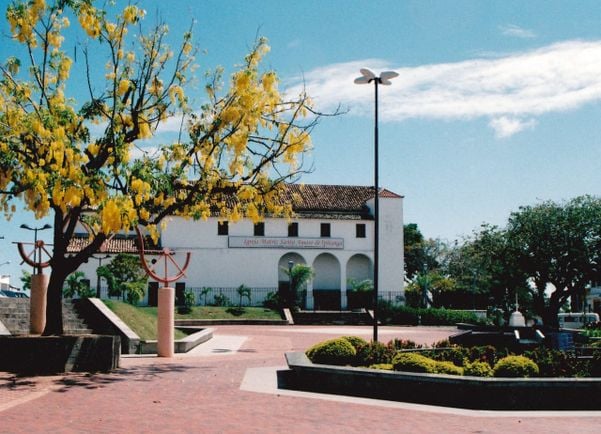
x=38, y=285
x=166, y=295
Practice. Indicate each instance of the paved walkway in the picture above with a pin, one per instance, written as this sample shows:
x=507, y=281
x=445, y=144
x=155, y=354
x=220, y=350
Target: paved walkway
x=228, y=386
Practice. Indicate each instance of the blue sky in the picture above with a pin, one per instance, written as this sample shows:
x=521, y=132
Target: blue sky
x=496, y=105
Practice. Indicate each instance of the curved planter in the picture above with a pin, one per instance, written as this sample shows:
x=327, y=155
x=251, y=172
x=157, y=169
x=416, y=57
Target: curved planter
x=443, y=390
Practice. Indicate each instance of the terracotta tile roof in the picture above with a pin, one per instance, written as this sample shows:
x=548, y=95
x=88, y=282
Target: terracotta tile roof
x=118, y=244
x=327, y=201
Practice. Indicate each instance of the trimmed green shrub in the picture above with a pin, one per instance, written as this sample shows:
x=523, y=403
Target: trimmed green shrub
x=355, y=341
x=515, y=367
x=447, y=368
x=595, y=365
x=373, y=353
x=382, y=366
x=554, y=363
x=390, y=313
x=402, y=344
x=337, y=351
x=413, y=362
x=477, y=369
x=454, y=354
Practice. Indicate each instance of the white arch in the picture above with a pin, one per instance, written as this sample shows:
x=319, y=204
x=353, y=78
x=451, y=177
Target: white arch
x=296, y=258
x=327, y=272
x=359, y=267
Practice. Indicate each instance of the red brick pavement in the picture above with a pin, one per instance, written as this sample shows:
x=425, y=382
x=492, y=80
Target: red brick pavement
x=202, y=395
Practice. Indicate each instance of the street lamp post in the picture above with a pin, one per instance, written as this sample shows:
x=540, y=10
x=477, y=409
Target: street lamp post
x=367, y=77
x=35, y=242
x=100, y=259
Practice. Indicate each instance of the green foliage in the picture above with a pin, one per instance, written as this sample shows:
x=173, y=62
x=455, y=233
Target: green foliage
x=75, y=285
x=413, y=362
x=272, y=301
x=373, y=353
x=243, y=291
x=366, y=285
x=25, y=280
x=355, y=341
x=554, y=363
x=337, y=351
x=204, y=292
x=515, y=367
x=299, y=276
x=382, y=366
x=221, y=300
x=189, y=302
x=595, y=365
x=125, y=277
x=477, y=369
x=390, y=313
x=448, y=368
x=397, y=344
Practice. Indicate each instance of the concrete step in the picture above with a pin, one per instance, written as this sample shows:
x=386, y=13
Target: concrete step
x=332, y=318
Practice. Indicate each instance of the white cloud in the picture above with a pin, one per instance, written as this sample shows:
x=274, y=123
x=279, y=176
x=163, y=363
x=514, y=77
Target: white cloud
x=517, y=31
x=516, y=87
x=505, y=126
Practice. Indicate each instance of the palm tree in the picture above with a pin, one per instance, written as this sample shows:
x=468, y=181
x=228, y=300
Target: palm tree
x=299, y=275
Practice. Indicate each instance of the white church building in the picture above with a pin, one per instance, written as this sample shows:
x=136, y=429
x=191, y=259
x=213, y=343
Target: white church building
x=332, y=231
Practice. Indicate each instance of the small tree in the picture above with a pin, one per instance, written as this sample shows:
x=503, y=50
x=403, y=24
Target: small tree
x=299, y=276
x=76, y=285
x=125, y=277
x=239, y=146
x=243, y=291
x=204, y=292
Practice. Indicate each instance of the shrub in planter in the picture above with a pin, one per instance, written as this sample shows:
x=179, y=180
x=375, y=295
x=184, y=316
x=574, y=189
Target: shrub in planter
x=355, y=341
x=402, y=344
x=382, y=366
x=373, y=353
x=413, y=362
x=554, y=363
x=448, y=368
x=477, y=369
x=455, y=354
x=515, y=367
x=337, y=351
x=595, y=365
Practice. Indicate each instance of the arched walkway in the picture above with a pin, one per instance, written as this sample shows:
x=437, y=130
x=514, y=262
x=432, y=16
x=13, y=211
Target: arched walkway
x=283, y=279
x=326, y=283
x=358, y=268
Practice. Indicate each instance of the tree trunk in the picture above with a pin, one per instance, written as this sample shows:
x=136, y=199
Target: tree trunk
x=54, y=306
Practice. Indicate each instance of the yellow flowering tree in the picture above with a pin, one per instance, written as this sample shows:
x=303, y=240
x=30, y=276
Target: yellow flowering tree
x=73, y=159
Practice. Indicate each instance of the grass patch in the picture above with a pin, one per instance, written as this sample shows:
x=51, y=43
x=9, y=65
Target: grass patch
x=220, y=312
x=142, y=320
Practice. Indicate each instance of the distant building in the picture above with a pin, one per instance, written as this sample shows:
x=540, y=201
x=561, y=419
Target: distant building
x=332, y=231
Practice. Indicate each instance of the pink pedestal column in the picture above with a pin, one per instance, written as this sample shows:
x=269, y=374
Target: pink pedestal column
x=165, y=323
x=37, y=303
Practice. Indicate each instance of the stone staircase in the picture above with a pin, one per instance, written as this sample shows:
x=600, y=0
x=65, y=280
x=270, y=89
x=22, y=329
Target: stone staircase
x=326, y=317
x=14, y=314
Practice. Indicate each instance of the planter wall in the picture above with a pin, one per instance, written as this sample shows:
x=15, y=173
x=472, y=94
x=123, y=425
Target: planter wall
x=34, y=355
x=443, y=390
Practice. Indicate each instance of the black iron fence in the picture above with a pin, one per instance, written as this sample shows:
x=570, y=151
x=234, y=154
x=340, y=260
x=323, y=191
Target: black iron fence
x=229, y=296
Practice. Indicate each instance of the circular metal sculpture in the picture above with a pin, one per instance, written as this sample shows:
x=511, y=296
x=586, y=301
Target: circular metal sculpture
x=166, y=256
x=38, y=251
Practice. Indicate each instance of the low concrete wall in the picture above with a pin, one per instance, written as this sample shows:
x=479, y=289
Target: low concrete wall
x=103, y=320
x=182, y=345
x=443, y=390
x=4, y=331
x=33, y=355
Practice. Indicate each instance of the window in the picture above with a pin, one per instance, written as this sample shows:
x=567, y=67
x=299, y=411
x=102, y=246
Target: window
x=293, y=229
x=360, y=230
x=222, y=228
x=325, y=230
x=259, y=230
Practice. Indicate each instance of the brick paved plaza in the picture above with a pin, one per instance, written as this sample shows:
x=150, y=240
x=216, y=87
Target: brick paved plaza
x=228, y=386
